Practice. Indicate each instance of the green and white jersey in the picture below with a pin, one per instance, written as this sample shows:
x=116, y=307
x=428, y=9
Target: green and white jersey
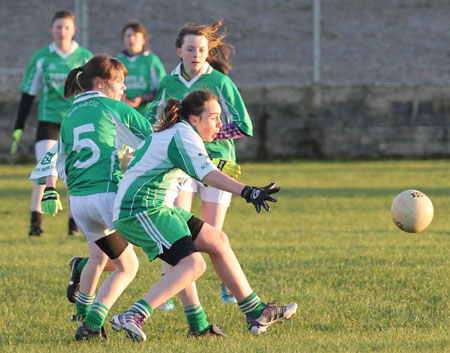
x=175, y=85
x=91, y=132
x=145, y=71
x=159, y=164
x=47, y=72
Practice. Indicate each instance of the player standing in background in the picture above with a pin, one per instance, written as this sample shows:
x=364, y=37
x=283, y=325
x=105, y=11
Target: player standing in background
x=47, y=71
x=144, y=214
x=205, y=65
x=95, y=126
x=145, y=69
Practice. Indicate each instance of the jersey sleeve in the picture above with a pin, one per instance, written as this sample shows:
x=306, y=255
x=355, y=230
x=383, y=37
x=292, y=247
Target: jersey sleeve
x=157, y=71
x=158, y=105
x=187, y=152
x=131, y=126
x=32, y=81
x=234, y=108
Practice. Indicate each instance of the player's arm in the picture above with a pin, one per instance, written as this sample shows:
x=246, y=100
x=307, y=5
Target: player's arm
x=25, y=104
x=258, y=196
x=233, y=106
x=51, y=201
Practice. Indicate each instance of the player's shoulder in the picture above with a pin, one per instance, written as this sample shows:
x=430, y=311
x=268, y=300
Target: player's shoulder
x=84, y=51
x=41, y=53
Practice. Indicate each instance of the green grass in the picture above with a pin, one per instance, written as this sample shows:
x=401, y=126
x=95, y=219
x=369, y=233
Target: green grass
x=329, y=244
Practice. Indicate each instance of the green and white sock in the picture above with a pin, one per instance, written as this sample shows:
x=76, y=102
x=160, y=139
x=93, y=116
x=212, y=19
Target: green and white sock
x=142, y=308
x=252, y=306
x=196, y=317
x=96, y=316
x=83, y=303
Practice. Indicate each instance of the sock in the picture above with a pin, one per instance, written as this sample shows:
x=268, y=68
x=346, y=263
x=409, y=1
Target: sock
x=72, y=225
x=84, y=303
x=81, y=264
x=252, y=306
x=196, y=317
x=96, y=316
x=36, y=219
x=142, y=308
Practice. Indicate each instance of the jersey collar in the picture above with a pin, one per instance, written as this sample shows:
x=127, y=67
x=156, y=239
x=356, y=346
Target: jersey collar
x=54, y=48
x=88, y=95
x=205, y=70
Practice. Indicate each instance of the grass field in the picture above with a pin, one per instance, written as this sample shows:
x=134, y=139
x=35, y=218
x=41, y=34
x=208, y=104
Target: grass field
x=329, y=244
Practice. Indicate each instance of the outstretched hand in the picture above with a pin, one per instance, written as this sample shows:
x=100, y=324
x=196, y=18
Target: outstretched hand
x=259, y=196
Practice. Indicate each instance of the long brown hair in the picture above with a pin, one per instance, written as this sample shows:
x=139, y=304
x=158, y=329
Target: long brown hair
x=219, y=52
x=82, y=78
x=175, y=110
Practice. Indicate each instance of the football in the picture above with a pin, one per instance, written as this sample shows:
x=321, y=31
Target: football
x=412, y=211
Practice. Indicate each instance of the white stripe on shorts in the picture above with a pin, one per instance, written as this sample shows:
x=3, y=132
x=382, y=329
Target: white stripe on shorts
x=152, y=231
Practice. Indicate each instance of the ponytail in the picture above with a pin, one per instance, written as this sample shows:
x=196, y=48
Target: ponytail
x=82, y=78
x=171, y=115
x=72, y=85
x=175, y=110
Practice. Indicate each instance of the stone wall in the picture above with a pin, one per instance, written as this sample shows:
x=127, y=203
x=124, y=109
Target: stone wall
x=349, y=122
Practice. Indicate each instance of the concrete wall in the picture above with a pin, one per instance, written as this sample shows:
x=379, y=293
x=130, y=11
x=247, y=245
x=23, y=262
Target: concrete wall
x=383, y=121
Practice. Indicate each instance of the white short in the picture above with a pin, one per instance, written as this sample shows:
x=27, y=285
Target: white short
x=207, y=193
x=93, y=214
x=42, y=147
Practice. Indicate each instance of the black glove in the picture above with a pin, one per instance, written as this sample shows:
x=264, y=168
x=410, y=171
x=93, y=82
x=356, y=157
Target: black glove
x=259, y=196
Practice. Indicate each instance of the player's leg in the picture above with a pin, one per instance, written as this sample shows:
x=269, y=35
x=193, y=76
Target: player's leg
x=259, y=315
x=126, y=263
x=195, y=314
x=215, y=205
x=184, y=200
x=183, y=273
x=160, y=234
x=77, y=264
x=93, y=214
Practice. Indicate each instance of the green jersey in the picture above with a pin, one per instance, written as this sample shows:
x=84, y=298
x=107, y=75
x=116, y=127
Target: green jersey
x=92, y=131
x=47, y=72
x=159, y=164
x=175, y=85
x=145, y=71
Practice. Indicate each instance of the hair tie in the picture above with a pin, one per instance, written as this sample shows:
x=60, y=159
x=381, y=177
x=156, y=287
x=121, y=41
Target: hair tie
x=80, y=71
x=179, y=103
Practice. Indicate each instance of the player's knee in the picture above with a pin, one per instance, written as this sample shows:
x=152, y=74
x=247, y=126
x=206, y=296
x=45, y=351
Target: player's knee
x=128, y=261
x=198, y=264
x=221, y=243
x=98, y=259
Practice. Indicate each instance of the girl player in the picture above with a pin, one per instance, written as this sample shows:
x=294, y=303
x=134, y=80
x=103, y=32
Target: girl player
x=47, y=70
x=144, y=215
x=204, y=64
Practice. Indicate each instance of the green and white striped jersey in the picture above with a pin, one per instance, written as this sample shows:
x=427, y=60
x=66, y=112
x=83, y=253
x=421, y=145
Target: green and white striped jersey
x=47, y=72
x=174, y=85
x=159, y=164
x=145, y=71
x=92, y=131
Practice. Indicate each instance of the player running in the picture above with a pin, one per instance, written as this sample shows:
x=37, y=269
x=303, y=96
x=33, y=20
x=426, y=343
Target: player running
x=205, y=64
x=47, y=71
x=94, y=127
x=144, y=215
